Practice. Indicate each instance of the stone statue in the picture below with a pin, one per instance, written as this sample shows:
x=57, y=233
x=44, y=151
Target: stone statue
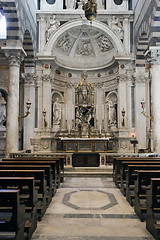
x=53, y=24
x=70, y=4
x=111, y=112
x=56, y=112
x=116, y=26
x=2, y=110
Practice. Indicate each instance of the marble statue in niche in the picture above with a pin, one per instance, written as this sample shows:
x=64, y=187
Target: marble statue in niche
x=64, y=43
x=116, y=26
x=104, y=43
x=2, y=110
x=52, y=24
x=70, y=4
x=111, y=111
x=56, y=112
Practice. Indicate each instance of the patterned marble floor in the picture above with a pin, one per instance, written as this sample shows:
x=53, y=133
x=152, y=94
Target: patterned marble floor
x=90, y=209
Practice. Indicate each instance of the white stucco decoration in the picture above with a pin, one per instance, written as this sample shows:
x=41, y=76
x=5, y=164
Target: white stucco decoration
x=77, y=44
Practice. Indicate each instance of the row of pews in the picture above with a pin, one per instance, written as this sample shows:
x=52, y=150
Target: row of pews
x=27, y=186
x=138, y=178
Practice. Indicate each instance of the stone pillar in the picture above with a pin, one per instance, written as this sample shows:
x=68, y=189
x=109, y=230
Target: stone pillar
x=126, y=38
x=140, y=119
x=42, y=34
x=12, y=139
x=29, y=121
x=155, y=71
x=47, y=99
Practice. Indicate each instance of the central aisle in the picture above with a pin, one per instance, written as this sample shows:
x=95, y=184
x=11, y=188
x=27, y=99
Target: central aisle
x=90, y=209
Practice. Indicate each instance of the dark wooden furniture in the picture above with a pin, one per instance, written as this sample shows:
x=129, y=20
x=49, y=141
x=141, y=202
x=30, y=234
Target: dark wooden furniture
x=12, y=215
x=142, y=184
x=153, y=208
x=85, y=160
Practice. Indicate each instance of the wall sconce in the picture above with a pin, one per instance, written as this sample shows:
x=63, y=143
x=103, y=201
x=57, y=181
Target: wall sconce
x=123, y=115
x=44, y=116
x=143, y=112
x=28, y=105
x=90, y=9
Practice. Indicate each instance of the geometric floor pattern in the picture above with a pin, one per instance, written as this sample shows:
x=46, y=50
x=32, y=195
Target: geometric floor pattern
x=86, y=208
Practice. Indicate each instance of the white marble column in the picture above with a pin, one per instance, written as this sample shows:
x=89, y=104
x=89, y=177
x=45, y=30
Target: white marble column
x=155, y=71
x=47, y=99
x=42, y=34
x=126, y=39
x=140, y=119
x=12, y=139
x=29, y=121
x=122, y=100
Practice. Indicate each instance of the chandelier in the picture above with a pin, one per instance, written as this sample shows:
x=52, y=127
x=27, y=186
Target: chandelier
x=90, y=9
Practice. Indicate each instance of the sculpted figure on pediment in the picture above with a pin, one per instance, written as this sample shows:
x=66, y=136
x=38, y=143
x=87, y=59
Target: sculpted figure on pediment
x=52, y=24
x=116, y=26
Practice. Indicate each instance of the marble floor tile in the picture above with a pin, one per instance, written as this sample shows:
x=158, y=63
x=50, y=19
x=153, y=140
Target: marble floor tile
x=90, y=209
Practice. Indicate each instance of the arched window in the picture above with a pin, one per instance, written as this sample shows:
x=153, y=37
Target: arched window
x=3, y=26
x=50, y=1
x=118, y=2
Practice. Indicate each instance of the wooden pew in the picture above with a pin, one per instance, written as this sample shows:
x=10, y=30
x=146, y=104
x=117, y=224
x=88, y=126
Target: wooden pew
x=124, y=169
x=12, y=215
x=117, y=164
x=142, y=184
x=53, y=165
x=153, y=208
x=27, y=196
x=132, y=176
x=58, y=159
x=40, y=185
x=48, y=176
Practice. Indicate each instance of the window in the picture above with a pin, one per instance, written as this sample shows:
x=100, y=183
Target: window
x=50, y=1
x=118, y=2
x=3, y=31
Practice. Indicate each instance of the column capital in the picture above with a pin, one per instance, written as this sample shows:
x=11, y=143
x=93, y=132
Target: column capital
x=153, y=55
x=29, y=78
x=15, y=55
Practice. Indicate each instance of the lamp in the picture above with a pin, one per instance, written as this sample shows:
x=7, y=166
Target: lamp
x=90, y=9
x=143, y=112
x=44, y=115
x=123, y=115
x=28, y=105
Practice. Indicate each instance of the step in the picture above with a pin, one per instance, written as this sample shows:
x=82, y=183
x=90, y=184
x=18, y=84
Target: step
x=88, y=174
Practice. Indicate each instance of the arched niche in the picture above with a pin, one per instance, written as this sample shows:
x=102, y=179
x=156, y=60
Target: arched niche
x=57, y=112
x=111, y=111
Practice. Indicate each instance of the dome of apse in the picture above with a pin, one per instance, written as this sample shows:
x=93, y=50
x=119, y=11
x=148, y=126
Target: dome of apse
x=84, y=47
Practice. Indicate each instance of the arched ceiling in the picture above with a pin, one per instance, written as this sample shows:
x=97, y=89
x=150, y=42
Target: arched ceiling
x=84, y=47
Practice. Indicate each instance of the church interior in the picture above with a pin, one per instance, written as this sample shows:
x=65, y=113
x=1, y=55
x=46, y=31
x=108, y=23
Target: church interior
x=79, y=119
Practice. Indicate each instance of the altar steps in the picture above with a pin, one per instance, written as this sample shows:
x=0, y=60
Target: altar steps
x=88, y=172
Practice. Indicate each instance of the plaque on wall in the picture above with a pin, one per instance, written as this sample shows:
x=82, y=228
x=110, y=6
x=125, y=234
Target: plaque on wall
x=99, y=147
x=70, y=147
x=110, y=146
x=85, y=147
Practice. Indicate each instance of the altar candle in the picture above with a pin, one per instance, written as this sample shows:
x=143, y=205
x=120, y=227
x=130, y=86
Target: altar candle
x=100, y=129
x=69, y=128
